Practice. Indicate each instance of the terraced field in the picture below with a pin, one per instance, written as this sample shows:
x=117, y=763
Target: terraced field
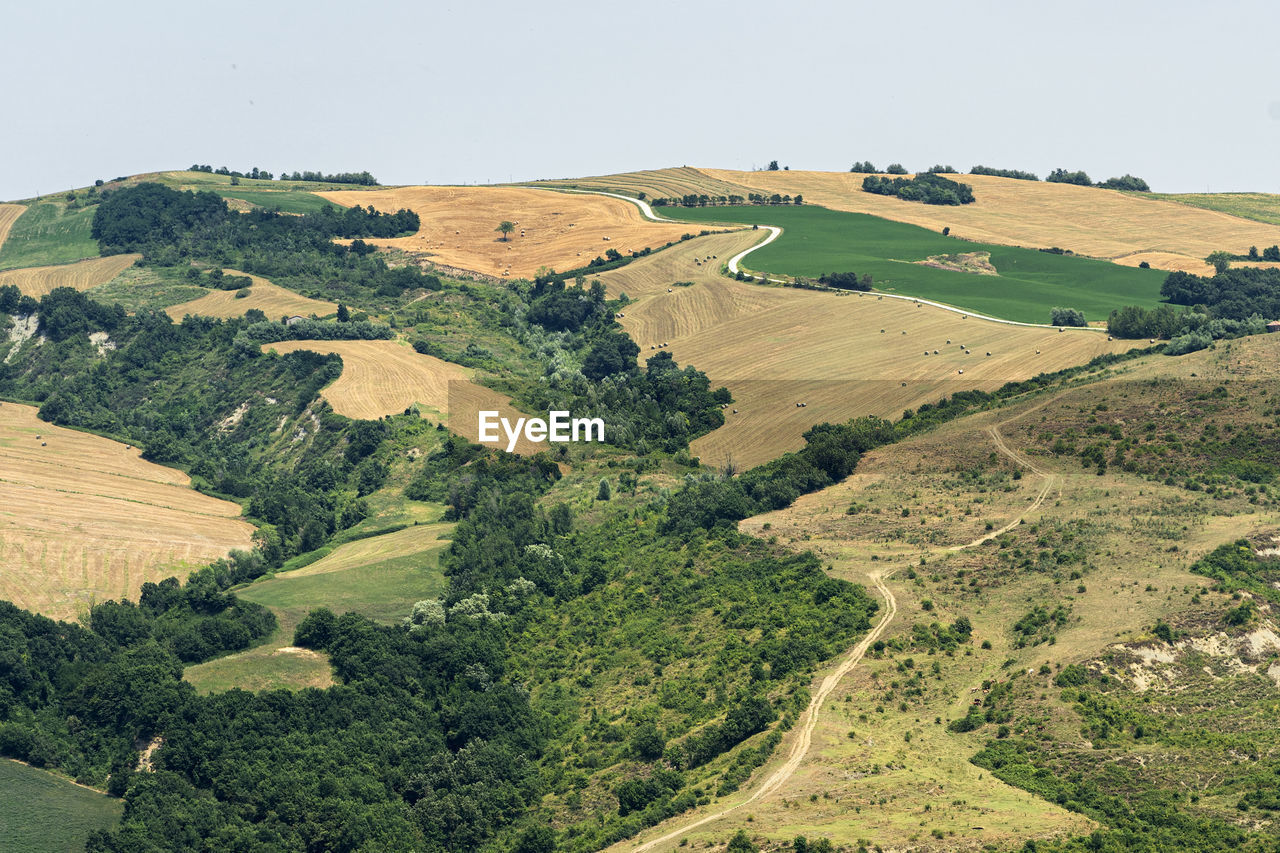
x=85, y=519
x=386, y=377
x=841, y=354
x=270, y=299
x=558, y=230
x=82, y=275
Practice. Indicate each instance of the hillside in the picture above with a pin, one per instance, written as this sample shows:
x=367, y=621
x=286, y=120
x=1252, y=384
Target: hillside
x=844, y=355
x=1082, y=569
x=558, y=230
x=1120, y=227
x=849, y=570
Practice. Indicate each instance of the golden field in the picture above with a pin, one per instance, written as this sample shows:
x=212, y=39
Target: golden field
x=841, y=354
x=560, y=230
x=85, y=519
x=82, y=275
x=270, y=299
x=386, y=377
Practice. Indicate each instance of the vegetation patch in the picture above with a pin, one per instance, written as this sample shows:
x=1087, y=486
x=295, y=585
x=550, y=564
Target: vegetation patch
x=1028, y=284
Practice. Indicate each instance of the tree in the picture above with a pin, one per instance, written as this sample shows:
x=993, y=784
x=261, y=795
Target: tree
x=604, y=493
x=1066, y=317
x=896, y=169
x=505, y=227
x=863, y=166
x=773, y=166
x=741, y=843
x=1220, y=261
x=344, y=313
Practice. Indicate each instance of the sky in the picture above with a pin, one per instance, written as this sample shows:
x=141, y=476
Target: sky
x=1183, y=94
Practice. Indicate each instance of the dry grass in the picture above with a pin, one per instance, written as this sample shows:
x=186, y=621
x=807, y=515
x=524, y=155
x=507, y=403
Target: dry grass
x=84, y=519
x=386, y=377
x=775, y=347
x=82, y=275
x=654, y=183
x=9, y=214
x=1088, y=221
x=270, y=299
x=864, y=777
x=561, y=230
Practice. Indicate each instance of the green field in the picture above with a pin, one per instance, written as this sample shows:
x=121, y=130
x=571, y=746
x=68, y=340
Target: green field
x=816, y=240
x=147, y=287
x=286, y=201
x=44, y=813
x=1263, y=207
x=48, y=233
x=379, y=577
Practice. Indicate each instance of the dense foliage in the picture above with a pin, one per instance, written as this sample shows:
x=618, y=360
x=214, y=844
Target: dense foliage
x=928, y=187
x=1016, y=174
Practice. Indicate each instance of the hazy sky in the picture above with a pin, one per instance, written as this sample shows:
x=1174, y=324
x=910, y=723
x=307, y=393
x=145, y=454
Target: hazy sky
x=1184, y=94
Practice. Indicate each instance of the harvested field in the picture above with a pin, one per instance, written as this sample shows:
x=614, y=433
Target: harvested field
x=775, y=347
x=82, y=275
x=654, y=183
x=85, y=519
x=1088, y=221
x=8, y=214
x=1170, y=232
x=270, y=299
x=560, y=230
x=386, y=377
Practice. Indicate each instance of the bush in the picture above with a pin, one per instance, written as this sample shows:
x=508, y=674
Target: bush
x=863, y=166
x=1126, y=182
x=1066, y=317
x=1062, y=176
x=1004, y=173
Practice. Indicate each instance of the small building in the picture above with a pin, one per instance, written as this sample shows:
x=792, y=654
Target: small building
x=1273, y=326
x=294, y=320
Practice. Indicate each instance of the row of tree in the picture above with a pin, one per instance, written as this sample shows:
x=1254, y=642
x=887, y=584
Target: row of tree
x=929, y=187
x=705, y=200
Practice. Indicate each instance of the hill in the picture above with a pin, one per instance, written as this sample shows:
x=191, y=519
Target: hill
x=1106, y=224
x=81, y=275
x=842, y=354
x=85, y=519
x=558, y=230
x=1056, y=568
x=270, y=299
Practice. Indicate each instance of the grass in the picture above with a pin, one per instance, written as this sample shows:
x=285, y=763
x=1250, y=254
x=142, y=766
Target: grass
x=816, y=241
x=286, y=201
x=1262, y=207
x=147, y=287
x=47, y=234
x=44, y=813
x=1111, y=550
x=379, y=577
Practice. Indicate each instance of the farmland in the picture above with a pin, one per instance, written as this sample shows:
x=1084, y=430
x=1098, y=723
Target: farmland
x=386, y=377
x=558, y=230
x=270, y=299
x=1098, y=223
x=84, y=519
x=887, y=764
x=44, y=813
x=9, y=214
x=1028, y=283
x=81, y=275
x=48, y=233
x=379, y=577
x=1262, y=207
x=1169, y=232
x=842, y=354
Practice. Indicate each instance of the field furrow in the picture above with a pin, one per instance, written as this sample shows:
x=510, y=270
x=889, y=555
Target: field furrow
x=81, y=275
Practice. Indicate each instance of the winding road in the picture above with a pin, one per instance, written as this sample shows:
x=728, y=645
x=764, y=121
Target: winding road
x=775, y=232
x=808, y=721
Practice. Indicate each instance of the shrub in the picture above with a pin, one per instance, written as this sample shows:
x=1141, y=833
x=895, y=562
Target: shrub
x=1067, y=317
